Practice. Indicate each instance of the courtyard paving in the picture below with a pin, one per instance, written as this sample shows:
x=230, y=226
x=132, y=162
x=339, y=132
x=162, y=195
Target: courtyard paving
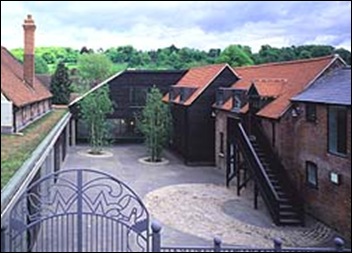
x=192, y=203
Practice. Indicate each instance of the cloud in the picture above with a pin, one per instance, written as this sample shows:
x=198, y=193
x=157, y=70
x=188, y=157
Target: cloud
x=198, y=24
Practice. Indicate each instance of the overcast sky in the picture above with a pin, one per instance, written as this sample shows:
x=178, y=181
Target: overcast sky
x=202, y=25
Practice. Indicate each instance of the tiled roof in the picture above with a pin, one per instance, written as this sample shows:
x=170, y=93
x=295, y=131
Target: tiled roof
x=282, y=80
x=332, y=88
x=270, y=87
x=198, y=78
x=14, y=87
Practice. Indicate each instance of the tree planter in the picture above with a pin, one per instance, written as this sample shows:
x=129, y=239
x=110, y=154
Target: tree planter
x=147, y=160
x=102, y=154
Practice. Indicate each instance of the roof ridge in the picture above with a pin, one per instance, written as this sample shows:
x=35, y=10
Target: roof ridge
x=288, y=62
x=209, y=65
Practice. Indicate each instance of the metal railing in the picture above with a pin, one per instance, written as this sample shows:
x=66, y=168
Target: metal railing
x=275, y=164
x=217, y=246
x=267, y=189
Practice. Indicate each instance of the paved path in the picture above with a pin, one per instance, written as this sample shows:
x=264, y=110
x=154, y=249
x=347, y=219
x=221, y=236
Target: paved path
x=193, y=204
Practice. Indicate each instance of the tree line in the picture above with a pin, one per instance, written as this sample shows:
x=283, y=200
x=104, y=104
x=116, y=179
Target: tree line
x=173, y=57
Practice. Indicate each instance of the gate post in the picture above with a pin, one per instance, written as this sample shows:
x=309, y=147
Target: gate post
x=217, y=244
x=277, y=245
x=156, y=237
x=339, y=244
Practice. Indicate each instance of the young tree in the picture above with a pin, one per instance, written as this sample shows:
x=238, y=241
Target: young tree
x=94, y=109
x=94, y=68
x=60, y=85
x=155, y=124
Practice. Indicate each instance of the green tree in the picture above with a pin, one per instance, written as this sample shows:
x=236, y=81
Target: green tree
x=93, y=68
x=235, y=56
x=40, y=66
x=269, y=54
x=345, y=54
x=60, y=85
x=155, y=124
x=94, y=110
x=304, y=54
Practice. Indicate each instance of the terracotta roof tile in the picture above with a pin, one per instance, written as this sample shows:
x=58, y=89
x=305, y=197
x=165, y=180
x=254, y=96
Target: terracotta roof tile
x=282, y=80
x=199, y=78
x=270, y=87
x=14, y=87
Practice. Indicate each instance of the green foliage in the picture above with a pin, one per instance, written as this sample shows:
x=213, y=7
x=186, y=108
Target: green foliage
x=94, y=68
x=41, y=67
x=346, y=55
x=236, y=55
x=155, y=124
x=173, y=57
x=61, y=85
x=94, y=110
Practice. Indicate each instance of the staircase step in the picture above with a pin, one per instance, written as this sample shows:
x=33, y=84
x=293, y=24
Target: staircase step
x=277, y=188
x=274, y=182
x=286, y=214
x=286, y=206
x=290, y=221
x=284, y=200
x=281, y=194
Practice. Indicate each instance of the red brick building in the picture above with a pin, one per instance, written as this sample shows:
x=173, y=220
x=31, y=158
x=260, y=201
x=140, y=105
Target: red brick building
x=322, y=148
x=260, y=129
x=23, y=97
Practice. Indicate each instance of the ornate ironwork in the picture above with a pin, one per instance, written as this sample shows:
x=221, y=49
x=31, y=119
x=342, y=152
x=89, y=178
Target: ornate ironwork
x=79, y=210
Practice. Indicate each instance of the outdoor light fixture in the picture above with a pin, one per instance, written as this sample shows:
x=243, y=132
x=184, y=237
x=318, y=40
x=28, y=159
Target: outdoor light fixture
x=335, y=178
x=296, y=111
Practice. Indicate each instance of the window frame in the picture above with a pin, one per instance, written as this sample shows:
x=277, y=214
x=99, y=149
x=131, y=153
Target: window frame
x=221, y=150
x=330, y=145
x=310, y=165
x=311, y=112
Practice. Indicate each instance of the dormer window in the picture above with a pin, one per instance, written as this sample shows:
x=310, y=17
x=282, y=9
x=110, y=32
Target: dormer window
x=183, y=95
x=172, y=94
x=238, y=99
x=236, y=102
x=220, y=97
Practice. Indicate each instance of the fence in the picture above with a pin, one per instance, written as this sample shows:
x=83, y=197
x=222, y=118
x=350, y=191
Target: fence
x=217, y=246
x=42, y=161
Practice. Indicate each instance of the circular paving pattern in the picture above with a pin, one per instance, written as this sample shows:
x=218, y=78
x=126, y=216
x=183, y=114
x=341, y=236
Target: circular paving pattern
x=208, y=210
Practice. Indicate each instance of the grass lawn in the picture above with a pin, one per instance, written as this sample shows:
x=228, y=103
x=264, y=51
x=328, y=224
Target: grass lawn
x=15, y=149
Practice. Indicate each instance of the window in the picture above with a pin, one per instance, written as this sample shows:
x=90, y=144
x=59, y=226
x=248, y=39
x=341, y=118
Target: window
x=312, y=174
x=222, y=143
x=236, y=103
x=337, y=131
x=311, y=112
x=138, y=96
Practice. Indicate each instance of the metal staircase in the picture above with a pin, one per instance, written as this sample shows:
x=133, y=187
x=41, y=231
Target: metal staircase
x=270, y=178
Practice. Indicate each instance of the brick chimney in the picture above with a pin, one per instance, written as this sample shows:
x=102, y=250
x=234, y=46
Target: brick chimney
x=28, y=65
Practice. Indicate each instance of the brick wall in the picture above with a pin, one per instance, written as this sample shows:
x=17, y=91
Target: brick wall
x=299, y=141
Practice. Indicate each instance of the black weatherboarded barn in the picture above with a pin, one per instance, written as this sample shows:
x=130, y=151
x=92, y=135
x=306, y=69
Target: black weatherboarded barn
x=128, y=91
x=191, y=102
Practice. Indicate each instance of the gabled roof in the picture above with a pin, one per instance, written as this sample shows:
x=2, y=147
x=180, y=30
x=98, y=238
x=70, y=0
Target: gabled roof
x=281, y=80
x=138, y=78
x=13, y=85
x=332, y=88
x=198, y=79
x=269, y=87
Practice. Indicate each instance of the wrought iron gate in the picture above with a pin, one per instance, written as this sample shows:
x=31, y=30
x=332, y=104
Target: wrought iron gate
x=76, y=211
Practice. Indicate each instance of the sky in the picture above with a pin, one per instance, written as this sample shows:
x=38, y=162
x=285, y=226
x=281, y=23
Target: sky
x=195, y=24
